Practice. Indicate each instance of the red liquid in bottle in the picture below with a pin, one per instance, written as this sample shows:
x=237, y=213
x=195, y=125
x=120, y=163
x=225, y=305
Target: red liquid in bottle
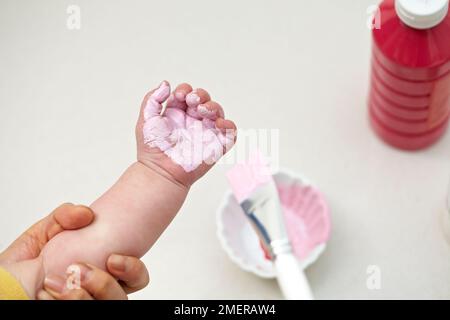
x=409, y=100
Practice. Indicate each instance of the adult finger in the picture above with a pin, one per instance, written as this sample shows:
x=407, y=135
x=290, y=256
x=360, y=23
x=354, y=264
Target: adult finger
x=131, y=272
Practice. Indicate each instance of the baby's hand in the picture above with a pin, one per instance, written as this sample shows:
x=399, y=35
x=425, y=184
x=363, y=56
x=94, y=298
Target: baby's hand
x=184, y=138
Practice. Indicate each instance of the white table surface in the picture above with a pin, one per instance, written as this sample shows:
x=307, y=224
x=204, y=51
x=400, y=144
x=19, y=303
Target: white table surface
x=69, y=101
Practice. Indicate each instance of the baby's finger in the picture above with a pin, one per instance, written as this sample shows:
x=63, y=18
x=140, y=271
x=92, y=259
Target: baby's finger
x=196, y=97
x=172, y=102
x=98, y=283
x=228, y=133
x=178, y=97
x=152, y=103
x=182, y=91
x=225, y=125
x=210, y=110
x=129, y=270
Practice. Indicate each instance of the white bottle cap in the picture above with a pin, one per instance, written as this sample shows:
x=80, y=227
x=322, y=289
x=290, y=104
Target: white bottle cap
x=421, y=14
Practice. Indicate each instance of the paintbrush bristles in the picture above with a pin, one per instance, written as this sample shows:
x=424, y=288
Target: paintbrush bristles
x=245, y=178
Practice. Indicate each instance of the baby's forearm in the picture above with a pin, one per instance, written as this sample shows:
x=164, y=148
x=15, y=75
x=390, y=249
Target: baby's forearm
x=142, y=202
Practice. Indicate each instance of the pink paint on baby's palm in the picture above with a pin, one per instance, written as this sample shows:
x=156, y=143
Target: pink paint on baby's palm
x=185, y=137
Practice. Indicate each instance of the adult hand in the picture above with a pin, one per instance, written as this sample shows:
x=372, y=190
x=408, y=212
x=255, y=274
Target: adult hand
x=29, y=245
x=95, y=283
x=21, y=259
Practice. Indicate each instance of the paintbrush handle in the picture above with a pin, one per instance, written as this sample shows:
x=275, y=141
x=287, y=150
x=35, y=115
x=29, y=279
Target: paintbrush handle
x=291, y=278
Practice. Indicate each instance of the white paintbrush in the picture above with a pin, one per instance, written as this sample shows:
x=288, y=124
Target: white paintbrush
x=256, y=192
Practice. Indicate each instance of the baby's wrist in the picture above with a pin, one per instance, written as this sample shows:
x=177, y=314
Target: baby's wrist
x=154, y=172
x=165, y=194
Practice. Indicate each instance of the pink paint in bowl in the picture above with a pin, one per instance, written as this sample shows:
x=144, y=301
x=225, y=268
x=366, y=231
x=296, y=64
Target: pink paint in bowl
x=307, y=220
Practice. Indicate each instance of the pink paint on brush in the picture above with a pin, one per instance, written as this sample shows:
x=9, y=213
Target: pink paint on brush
x=258, y=176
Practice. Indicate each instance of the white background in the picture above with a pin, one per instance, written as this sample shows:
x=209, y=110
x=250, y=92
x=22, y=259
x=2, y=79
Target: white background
x=69, y=101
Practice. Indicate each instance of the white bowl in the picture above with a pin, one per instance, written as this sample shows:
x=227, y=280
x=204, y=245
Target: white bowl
x=310, y=226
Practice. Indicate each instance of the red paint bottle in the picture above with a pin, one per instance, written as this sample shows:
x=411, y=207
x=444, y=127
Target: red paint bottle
x=409, y=101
